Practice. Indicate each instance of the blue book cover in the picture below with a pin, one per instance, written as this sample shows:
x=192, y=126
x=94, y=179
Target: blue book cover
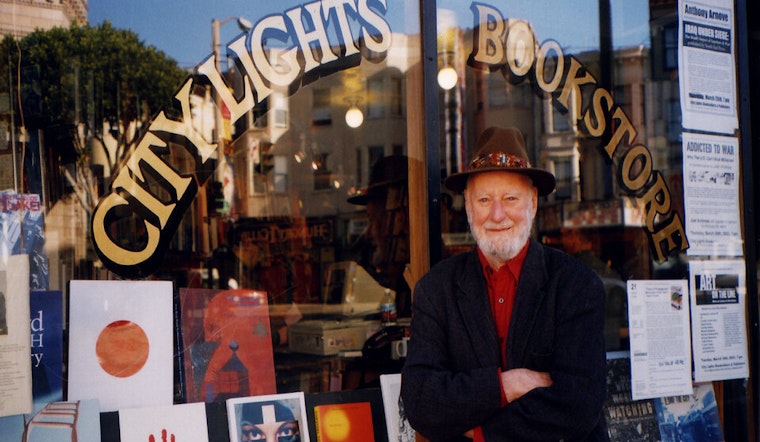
x=46, y=326
x=691, y=417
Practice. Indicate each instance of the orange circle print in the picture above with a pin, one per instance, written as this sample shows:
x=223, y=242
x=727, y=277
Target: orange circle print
x=122, y=348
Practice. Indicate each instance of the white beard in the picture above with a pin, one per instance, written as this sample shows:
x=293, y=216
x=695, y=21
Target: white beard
x=502, y=246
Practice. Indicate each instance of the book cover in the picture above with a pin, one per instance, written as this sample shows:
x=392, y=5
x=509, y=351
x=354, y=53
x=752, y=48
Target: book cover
x=183, y=422
x=46, y=328
x=690, y=417
x=362, y=409
x=274, y=417
x=64, y=421
x=15, y=338
x=227, y=344
x=397, y=426
x=120, y=343
x=627, y=420
x=22, y=231
x=350, y=422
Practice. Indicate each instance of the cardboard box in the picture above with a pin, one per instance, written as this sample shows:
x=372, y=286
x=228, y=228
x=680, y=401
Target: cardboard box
x=329, y=337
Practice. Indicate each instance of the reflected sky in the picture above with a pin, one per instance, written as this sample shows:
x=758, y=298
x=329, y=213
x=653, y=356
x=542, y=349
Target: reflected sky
x=182, y=29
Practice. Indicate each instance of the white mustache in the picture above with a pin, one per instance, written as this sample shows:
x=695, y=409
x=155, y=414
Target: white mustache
x=498, y=226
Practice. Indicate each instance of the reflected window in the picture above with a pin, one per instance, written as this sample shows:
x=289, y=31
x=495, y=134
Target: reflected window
x=321, y=114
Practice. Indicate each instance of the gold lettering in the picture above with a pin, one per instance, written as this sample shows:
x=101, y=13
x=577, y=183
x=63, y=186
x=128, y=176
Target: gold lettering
x=171, y=177
x=376, y=42
x=655, y=201
x=489, y=35
x=251, y=73
x=666, y=234
x=629, y=160
x=598, y=113
x=237, y=109
x=521, y=48
x=572, y=85
x=546, y=47
x=111, y=250
x=318, y=35
x=339, y=6
x=185, y=128
x=624, y=128
x=286, y=68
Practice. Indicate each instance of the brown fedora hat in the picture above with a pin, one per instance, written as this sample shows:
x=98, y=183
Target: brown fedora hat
x=502, y=149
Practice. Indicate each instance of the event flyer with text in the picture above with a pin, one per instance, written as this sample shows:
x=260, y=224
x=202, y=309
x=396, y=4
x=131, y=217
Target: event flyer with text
x=718, y=323
x=711, y=195
x=706, y=65
x=658, y=317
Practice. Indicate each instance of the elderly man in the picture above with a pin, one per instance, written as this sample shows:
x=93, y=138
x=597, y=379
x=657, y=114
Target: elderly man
x=507, y=341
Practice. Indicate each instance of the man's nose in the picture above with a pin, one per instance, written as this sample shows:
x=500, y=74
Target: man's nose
x=497, y=211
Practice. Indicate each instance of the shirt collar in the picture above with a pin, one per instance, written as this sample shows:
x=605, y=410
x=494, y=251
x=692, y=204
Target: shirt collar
x=514, y=265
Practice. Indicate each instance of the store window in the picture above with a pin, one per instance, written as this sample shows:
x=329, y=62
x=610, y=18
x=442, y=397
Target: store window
x=285, y=166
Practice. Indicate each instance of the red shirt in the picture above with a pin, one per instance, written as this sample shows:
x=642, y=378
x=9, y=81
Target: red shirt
x=502, y=286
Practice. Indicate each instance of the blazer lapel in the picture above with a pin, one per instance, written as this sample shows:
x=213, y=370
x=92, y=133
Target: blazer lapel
x=472, y=300
x=528, y=298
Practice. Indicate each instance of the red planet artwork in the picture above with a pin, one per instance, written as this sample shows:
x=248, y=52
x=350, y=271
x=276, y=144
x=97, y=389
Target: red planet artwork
x=122, y=348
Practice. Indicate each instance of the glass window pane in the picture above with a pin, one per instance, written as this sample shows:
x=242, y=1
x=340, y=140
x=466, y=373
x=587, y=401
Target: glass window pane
x=517, y=66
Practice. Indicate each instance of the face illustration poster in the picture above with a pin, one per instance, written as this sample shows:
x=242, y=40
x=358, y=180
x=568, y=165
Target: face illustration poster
x=121, y=343
x=268, y=418
x=183, y=422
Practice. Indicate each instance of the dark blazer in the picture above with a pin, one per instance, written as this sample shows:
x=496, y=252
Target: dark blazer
x=450, y=381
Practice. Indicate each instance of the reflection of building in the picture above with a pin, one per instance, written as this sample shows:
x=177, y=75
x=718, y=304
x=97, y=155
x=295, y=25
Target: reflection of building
x=21, y=18
x=297, y=154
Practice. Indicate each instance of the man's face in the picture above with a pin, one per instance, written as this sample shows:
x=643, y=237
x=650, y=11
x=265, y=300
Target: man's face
x=500, y=209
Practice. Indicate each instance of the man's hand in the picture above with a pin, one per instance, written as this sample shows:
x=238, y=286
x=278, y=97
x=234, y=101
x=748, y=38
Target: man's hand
x=518, y=381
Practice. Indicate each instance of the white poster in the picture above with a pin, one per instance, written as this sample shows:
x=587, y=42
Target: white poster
x=15, y=336
x=658, y=322
x=121, y=343
x=719, y=328
x=711, y=195
x=182, y=422
x=706, y=65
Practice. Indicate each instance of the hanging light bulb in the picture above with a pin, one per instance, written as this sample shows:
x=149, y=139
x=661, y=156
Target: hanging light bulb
x=447, y=78
x=354, y=116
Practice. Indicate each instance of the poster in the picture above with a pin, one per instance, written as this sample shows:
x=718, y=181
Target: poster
x=227, y=344
x=711, y=195
x=15, y=337
x=718, y=322
x=627, y=420
x=707, y=66
x=22, y=231
x=182, y=422
x=691, y=417
x=121, y=343
x=252, y=417
x=658, y=321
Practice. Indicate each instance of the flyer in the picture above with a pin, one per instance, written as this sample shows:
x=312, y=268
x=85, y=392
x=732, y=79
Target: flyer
x=719, y=333
x=658, y=321
x=707, y=65
x=711, y=195
x=15, y=337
